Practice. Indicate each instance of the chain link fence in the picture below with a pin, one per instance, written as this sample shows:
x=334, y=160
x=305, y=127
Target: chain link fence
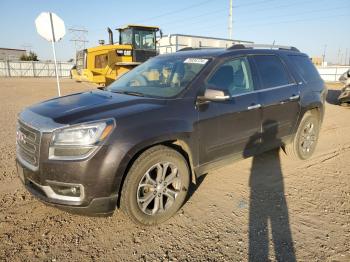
x=34, y=69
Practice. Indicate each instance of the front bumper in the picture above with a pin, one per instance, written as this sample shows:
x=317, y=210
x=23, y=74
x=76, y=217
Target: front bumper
x=96, y=206
x=98, y=178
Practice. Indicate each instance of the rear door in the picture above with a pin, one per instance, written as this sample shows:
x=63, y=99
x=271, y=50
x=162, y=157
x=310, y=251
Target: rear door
x=279, y=96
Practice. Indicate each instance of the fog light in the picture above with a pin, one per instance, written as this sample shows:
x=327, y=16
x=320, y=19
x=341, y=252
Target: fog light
x=66, y=190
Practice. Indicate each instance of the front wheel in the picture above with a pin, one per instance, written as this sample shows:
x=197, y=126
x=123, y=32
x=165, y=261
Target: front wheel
x=156, y=186
x=305, y=140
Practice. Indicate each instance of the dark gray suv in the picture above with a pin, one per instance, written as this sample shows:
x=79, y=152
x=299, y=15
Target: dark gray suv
x=138, y=143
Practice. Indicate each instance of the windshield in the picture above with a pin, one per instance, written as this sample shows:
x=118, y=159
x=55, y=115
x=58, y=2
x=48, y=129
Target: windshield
x=159, y=77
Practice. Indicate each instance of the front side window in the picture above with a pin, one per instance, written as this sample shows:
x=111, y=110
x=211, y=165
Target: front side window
x=101, y=61
x=271, y=70
x=144, y=39
x=233, y=77
x=126, y=37
x=159, y=77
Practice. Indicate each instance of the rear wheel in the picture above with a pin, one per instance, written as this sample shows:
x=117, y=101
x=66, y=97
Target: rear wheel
x=156, y=186
x=305, y=140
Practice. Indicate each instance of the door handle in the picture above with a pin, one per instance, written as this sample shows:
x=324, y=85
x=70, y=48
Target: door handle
x=254, y=107
x=295, y=97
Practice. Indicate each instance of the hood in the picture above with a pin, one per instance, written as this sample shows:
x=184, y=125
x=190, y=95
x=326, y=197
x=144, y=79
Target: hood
x=68, y=109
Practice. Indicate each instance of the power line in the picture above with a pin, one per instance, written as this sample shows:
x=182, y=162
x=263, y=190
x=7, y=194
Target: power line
x=184, y=21
x=298, y=20
x=259, y=22
x=276, y=7
x=200, y=4
x=253, y=3
x=79, y=37
x=27, y=46
x=307, y=12
x=175, y=11
x=280, y=22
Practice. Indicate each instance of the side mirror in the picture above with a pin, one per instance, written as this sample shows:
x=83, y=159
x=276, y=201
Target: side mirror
x=214, y=95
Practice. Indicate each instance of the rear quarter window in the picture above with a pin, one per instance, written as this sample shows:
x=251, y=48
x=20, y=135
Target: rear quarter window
x=305, y=68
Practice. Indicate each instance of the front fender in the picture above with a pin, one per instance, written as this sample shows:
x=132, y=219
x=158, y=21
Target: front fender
x=132, y=142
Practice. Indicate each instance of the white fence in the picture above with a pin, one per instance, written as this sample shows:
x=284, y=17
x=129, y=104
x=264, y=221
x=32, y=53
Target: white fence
x=47, y=69
x=332, y=73
x=34, y=69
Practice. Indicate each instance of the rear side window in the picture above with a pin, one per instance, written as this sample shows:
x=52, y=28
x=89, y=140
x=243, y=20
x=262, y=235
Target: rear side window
x=271, y=70
x=305, y=68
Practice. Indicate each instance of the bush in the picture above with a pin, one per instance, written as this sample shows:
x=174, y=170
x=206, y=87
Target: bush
x=30, y=57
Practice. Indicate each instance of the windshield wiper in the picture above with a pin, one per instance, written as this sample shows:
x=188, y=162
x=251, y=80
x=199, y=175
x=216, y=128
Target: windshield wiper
x=131, y=93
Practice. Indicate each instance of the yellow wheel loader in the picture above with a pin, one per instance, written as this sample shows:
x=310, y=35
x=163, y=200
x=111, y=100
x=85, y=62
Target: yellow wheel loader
x=105, y=63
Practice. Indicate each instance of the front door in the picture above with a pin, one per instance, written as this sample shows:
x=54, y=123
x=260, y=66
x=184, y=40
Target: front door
x=229, y=128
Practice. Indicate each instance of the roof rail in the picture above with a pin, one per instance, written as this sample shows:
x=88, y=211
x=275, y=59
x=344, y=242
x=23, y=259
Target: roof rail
x=254, y=46
x=188, y=48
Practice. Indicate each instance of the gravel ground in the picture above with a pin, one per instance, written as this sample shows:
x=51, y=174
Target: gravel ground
x=268, y=207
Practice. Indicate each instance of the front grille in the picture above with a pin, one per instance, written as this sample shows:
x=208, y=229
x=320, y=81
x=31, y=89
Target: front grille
x=28, y=144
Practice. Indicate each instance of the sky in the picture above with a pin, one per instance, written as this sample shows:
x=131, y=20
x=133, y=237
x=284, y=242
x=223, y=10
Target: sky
x=313, y=26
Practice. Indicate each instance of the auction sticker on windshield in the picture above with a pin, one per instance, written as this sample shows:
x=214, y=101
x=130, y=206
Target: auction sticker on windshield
x=196, y=61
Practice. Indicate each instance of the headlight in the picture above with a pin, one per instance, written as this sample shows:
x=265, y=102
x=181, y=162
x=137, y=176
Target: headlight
x=80, y=141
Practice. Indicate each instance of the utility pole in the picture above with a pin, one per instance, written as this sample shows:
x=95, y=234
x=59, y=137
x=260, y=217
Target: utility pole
x=230, y=21
x=79, y=37
x=346, y=57
x=324, y=54
x=341, y=58
x=338, y=57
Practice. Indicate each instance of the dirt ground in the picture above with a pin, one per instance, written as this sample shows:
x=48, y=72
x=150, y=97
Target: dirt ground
x=305, y=204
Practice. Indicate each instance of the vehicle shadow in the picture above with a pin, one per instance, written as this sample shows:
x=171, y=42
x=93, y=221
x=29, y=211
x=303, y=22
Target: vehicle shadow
x=194, y=186
x=268, y=206
x=332, y=96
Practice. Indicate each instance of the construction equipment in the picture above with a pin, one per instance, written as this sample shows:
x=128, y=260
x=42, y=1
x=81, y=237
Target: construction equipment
x=105, y=63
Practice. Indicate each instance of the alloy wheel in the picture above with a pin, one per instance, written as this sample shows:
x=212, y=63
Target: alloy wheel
x=158, y=188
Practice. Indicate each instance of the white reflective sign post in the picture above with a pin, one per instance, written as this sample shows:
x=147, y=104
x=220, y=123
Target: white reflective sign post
x=51, y=27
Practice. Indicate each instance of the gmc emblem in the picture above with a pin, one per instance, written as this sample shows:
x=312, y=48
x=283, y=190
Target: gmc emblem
x=21, y=137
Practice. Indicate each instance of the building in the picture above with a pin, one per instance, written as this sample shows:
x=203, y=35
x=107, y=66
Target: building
x=11, y=54
x=175, y=42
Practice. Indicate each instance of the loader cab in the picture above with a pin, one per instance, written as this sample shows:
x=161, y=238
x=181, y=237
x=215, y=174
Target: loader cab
x=142, y=39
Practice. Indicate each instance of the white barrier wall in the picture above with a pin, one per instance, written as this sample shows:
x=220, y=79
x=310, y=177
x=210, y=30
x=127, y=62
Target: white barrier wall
x=173, y=43
x=34, y=69
x=332, y=73
x=47, y=69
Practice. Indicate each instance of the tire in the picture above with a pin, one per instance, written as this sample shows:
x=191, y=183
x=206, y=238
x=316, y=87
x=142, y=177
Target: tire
x=147, y=188
x=305, y=140
x=345, y=104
